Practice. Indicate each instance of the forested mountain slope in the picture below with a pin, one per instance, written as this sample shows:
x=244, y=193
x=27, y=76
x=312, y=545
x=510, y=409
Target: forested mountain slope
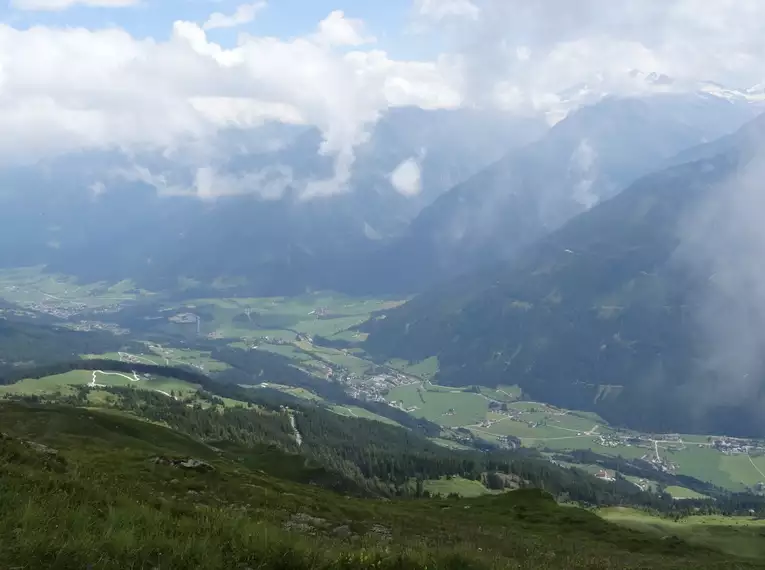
x=590, y=156
x=647, y=308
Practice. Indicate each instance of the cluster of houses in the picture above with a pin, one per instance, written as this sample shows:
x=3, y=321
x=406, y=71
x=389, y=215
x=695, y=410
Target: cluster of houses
x=606, y=475
x=734, y=446
x=86, y=326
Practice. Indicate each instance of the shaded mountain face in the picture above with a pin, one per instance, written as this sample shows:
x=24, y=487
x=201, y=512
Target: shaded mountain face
x=649, y=308
x=234, y=207
x=588, y=157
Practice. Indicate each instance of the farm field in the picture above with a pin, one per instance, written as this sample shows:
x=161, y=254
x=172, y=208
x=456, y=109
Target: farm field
x=502, y=393
x=448, y=443
x=356, y=412
x=426, y=369
x=352, y=363
x=548, y=428
x=166, y=356
x=682, y=493
x=30, y=286
x=61, y=383
x=292, y=391
x=458, y=485
x=325, y=314
x=747, y=469
x=188, y=357
x=449, y=408
x=288, y=350
x=706, y=464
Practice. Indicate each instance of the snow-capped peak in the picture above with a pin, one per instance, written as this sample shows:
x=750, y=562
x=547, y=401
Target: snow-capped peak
x=638, y=83
x=755, y=94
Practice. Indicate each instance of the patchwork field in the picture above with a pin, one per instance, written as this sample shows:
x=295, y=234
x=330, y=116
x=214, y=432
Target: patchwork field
x=281, y=318
x=166, y=356
x=29, y=286
x=447, y=407
x=548, y=428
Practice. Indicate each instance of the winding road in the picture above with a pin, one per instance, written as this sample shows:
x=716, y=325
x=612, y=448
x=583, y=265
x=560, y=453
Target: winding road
x=133, y=378
x=755, y=466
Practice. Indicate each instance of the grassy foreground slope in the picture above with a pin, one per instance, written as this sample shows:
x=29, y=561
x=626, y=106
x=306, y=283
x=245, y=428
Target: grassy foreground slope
x=742, y=536
x=87, y=489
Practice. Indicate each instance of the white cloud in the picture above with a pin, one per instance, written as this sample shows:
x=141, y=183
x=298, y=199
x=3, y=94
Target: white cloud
x=407, y=178
x=583, y=169
x=440, y=9
x=68, y=89
x=207, y=183
x=519, y=54
x=269, y=183
x=337, y=30
x=57, y=5
x=244, y=14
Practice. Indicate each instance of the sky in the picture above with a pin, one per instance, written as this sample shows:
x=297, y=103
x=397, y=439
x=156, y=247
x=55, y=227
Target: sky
x=92, y=74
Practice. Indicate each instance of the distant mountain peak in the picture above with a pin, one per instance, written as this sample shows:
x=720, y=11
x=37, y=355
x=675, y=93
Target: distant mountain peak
x=637, y=83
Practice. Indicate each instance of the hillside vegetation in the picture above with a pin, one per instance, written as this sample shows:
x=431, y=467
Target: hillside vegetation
x=93, y=489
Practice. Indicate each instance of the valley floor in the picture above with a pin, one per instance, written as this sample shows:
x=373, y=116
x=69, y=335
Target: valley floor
x=317, y=334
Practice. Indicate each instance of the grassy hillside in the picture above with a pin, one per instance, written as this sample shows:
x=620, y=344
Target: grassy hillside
x=740, y=536
x=86, y=489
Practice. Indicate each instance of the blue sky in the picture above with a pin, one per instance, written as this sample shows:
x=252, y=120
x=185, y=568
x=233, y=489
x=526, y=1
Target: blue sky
x=388, y=20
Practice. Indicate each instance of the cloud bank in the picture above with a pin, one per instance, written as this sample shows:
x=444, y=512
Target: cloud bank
x=65, y=89
x=58, y=5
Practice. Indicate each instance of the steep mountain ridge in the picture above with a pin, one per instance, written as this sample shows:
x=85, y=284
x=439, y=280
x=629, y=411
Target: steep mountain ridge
x=610, y=313
x=588, y=157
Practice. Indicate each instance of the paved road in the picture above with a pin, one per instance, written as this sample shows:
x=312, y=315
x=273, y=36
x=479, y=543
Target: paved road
x=755, y=466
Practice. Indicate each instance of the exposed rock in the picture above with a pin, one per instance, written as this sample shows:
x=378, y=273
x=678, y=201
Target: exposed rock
x=305, y=523
x=188, y=463
x=343, y=531
x=41, y=448
x=308, y=519
x=299, y=527
x=196, y=464
x=380, y=532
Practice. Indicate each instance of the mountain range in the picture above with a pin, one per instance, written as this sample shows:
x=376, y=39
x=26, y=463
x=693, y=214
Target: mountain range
x=431, y=194
x=588, y=157
x=240, y=209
